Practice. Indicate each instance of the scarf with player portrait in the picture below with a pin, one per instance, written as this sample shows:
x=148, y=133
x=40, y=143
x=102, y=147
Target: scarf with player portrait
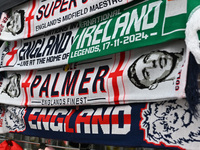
x=99, y=61
x=120, y=29
x=116, y=30
x=37, y=16
x=119, y=78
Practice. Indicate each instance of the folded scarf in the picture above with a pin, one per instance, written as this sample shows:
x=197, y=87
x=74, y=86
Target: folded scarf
x=167, y=124
x=159, y=71
x=124, y=28
x=34, y=16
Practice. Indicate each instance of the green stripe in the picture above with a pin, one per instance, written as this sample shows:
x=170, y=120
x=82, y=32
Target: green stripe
x=150, y=30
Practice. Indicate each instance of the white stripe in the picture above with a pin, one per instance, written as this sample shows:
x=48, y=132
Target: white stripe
x=175, y=7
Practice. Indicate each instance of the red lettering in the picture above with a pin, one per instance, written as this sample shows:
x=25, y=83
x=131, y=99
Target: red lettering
x=83, y=117
x=178, y=81
x=32, y=117
x=43, y=118
x=67, y=120
x=101, y=119
x=5, y=19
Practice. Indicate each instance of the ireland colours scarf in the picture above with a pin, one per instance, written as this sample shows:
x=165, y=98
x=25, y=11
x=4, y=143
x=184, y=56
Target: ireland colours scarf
x=121, y=29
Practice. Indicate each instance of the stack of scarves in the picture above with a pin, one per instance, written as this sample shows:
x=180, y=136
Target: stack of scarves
x=102, y=72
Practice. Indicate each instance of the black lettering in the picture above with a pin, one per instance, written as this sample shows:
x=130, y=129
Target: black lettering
x=70, y=85
x=40, y=12
x=45, y=86
x=49, y=45
x=70, y=4
x=56, y=44
x=56, y=6
x=65, y=42
x=53, y=92
x=61, y=7
x=45, y=12
x=34, y=51
x=84, y=1
x=84, y=80
x=22, y=51
x=105, y=70
x=39, y=49
x=35, y=84
x=29, y=50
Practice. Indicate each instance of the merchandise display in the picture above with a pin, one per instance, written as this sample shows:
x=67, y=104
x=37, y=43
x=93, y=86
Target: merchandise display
x=106, y=72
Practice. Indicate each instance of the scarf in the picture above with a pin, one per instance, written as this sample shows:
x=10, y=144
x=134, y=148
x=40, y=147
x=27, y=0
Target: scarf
x=166, y=124
x=113, y=79
x=35, y=16
x=113, y=31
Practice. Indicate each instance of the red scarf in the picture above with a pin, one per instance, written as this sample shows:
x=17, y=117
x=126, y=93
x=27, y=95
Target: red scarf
x=10, y=145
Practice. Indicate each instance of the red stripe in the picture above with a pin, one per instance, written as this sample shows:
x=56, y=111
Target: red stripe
x=127, y=119
x=26, y=85
x=12, y=53
x=114, y=76
x=105, y=119
x=29, y=18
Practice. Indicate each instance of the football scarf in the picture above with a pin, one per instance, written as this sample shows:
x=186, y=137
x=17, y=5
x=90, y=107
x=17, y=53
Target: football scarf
x=37, y=16
x=168, y=124
x=113, y=79
x=117, y=30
